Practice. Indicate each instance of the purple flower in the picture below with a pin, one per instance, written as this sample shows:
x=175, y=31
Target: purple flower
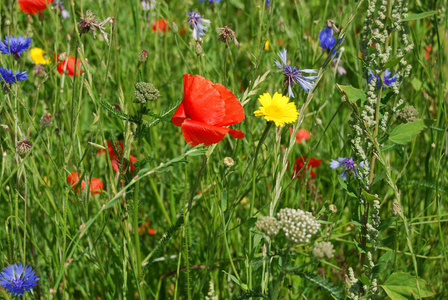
x=17, y=279
x=8, y=76
x=387, y=82
x=15, y=45
x=212, y=1
x=195, y=21
x=348, y=164
x=293, y=75
x=327, y=40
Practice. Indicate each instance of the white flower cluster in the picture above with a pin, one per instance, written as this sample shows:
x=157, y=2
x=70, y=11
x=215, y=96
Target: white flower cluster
x=211, y=292
x=268, y=225
x=323, y=250
x=299, y=226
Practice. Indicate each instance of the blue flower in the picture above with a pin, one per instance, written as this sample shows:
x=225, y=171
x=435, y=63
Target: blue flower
x=195, y=21
x=17, y=279
x=15, y=45
x=212, y=1
x=293, y=75
x=327, y=40
x=387, y=82
x=8, y=76
x=348, y=164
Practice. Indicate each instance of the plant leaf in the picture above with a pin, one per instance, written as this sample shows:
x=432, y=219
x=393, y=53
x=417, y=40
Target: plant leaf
x=402, y=286
x=404, y=133
x=353, y=94
x=420, y=16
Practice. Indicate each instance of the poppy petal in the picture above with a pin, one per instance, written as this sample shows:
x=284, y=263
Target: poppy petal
x=201, y=133
x=179, y=116
x=33, y=6
x=70, y=67
x=202, y=102
x=96, y=186
x=234, y=112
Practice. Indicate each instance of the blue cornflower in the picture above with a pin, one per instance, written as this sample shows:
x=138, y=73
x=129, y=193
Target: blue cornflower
x=293, y=75
x=212, y=1
x=327, y=40
x=195, y=21
x=348, y=164
x=15, y=45
x=387, y=82
x=8, y=76
x=17, y=279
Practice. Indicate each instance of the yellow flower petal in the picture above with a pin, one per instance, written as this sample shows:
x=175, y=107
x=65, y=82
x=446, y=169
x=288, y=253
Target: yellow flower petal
x=277, y=109
x=37, y=54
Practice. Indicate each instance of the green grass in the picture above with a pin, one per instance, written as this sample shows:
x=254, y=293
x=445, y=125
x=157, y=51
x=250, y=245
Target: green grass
x=204, y=213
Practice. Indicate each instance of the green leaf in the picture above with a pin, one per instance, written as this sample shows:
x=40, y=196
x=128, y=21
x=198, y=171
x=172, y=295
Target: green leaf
x=237, y=4
x=385, y=223
x=370, y=197
x=335, y=291
x=404, y=133
x=420, y=16
x=353, y=94
x=402, y=286
x=350, y=191
x=381, y=264
x=224, y=200
x=416, y=84
x=393, y=62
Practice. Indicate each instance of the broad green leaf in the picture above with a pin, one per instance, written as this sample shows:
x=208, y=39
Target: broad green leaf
x=404, y=133
x=402, y=286
x=416, y=83
x=420, y=16
x=370, y=197
x=353, y=94
x=393, y=62
x=346, y=187
x=224, y=200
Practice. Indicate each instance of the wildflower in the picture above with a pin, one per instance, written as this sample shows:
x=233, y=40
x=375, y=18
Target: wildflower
x=67, y=65
x=116, y=163
x=110, y=149
x=160, y=25
x=17, y=279
x=226, y=35
x=293, y=75
x=301, y=135
x=142, y=57
x=205, y=109
x=89, y=22
x=148, y=4
x=64, y=13
x=211, y=295
x=277, y=109
x=23, y=148
x=211, y=1
x=144, y=92
x=268, y=225
x=407, y=114
x=428, y=49
x=96, y=185
x=46, y=120
x=229, y=162
x=195, y=21
x=299, y=226
x=266, y=46
x=348, y=164
x=37, y=55
x=33, y=6
x=9, y=77
x=327, y=40
x=15, y=45
x=300, y=162
x=145, y=225
x=323, y=250
x=387, y=81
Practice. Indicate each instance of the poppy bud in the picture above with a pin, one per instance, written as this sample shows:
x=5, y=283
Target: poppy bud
x=46, y=120
x=198, y=49
x=142, y=57
x=145, y=92
x=23, y=148
x=174, y=28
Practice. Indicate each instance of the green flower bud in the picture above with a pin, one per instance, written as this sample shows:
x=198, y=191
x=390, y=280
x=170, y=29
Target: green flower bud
x=145, y=92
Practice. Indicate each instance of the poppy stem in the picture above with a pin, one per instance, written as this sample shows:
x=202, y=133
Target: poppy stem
x=252, y=200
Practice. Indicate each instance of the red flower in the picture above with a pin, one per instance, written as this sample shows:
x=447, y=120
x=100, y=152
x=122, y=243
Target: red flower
x=70, y=68
x=205, y=109
x=116, y=163
x=300, y=162
x=110, y=149
x=159, y=24
x=302, y=134
x=96, y=185
x=33, y=6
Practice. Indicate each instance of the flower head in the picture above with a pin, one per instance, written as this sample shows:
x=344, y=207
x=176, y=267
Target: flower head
x=387, y=81
x=96, y=185
x=293, y=75
x=323, y=250
x=37, y=55
x=327, y=40
x=277, y=109
x=205, y=110
x=148, y=4
x=116, y=164
x=348, y=164
x=9, y=77
x=301, y=135
x=24, y=147
x=15, y=45
x=160, y=25
x=17, y=279
x=196, y=21
x=299, y=226
x=269, y=225
x=33, y=6
x=89, y=22
x=68, y=65
x=300, y=163
x=110, y=149
x=226, y=35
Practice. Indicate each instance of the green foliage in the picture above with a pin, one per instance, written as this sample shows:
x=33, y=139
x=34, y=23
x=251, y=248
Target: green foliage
x=404, y=133
x=402, y=286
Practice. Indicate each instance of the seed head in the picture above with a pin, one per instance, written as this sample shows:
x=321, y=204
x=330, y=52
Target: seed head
x=46, y=120
x=23, y=148
x=226, y=35
x=89, y=22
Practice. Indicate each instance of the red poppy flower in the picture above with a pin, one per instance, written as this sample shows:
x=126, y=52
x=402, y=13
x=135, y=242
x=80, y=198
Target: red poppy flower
x=110, y=149
x=33, y=6
x=96, y=185
x=160, y=24
x=300, y=162
x=116, y=163
x=302, y=134
x=205, y=109
x=70, y=68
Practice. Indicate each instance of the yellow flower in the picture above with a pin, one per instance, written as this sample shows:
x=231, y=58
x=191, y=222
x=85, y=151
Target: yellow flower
x=266, y=46
x=277, y=109
x=37, y=55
